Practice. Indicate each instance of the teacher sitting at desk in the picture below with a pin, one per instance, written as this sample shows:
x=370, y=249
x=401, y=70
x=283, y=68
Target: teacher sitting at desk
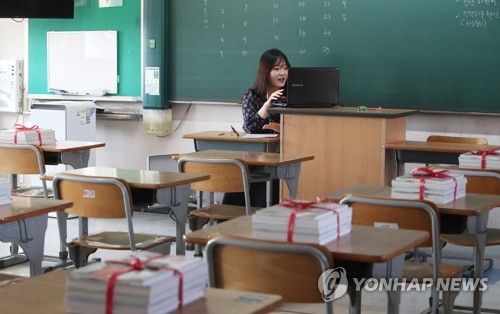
x=268, y=86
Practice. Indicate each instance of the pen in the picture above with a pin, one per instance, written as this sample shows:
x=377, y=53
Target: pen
x=235, y=132
x=220, y=134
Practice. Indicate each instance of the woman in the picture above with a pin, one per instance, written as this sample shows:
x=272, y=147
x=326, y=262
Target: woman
x=268, y=86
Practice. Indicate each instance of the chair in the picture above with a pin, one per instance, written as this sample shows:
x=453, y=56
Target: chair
x=415, y=215
x=226, y=175
x=23, y=159
x=101, y=198
x=479, y=182
x=246, y=264
x=457, y=139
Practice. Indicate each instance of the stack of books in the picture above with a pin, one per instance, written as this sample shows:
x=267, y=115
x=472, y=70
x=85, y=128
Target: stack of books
x=320, y=223
x=5, y=188
x=480, y=160
x=154, y=289
x=438, y=190
x=35, y=136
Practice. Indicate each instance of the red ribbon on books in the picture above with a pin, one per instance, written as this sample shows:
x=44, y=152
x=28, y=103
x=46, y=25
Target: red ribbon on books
x=137, y=264
x=298, y=207
x=429, y=173
x=23, y=128
x=302, y=206
x=483, y=154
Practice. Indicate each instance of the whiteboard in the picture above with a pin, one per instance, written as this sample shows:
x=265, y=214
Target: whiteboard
x=82, y=62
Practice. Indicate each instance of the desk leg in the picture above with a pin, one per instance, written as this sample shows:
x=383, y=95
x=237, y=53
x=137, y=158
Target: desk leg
x=354, y=298
x=76, y=159
x=395, y=270
x=477, y=225
x=29, y=234
x=177, y=198
x=290, y=173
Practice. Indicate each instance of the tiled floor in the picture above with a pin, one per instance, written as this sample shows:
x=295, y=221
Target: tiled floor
x=373, y=302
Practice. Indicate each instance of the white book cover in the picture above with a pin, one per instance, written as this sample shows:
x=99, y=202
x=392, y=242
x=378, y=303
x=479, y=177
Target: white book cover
x=28, y=137
x=299, y=237
x=438, y=199
x=410, y=180
x=311, y=223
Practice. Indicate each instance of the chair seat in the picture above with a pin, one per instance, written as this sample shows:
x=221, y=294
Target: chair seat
x=423, y=270
x=467, y=239
x=224, y=212
x=119, y=240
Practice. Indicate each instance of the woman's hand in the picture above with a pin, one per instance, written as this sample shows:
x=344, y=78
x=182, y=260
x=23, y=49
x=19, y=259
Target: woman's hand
x=263, y=111
x=272, y=126
x=277, y=94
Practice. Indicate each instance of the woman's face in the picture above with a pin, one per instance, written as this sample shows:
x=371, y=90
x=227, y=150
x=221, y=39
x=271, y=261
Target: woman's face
x=278, y=76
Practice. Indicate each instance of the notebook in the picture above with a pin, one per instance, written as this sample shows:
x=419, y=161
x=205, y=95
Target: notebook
x=311, y=87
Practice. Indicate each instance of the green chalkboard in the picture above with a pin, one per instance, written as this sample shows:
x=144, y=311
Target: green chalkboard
x=126, y=20
x=421, y=54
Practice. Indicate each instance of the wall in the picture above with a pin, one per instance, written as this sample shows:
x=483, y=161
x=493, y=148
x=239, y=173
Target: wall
x=128, y=146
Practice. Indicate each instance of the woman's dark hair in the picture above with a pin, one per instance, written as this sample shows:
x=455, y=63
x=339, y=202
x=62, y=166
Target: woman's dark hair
x=268, y=60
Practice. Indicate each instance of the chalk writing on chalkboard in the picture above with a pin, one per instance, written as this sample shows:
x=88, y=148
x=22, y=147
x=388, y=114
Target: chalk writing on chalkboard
x=478, y=14
x=418, y=54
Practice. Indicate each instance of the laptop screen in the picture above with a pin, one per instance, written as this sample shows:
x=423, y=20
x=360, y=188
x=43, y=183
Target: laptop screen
x=313, y=87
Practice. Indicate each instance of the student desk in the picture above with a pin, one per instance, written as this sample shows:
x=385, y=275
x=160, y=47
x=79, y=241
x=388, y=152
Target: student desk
x=24, y=222
x=364, y=252
x=347, y=145
x=430, y=152
x=223, y=140
x=45, y=294
x=474, y=208
x=172, y=189
x=73, y=153
x=278, y=166
x=227, y=140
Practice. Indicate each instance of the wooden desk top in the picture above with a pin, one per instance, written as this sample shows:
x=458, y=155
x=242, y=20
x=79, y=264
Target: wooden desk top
x=146, y=179
x=349, y=111
x=26, y=207
x=226, y=136
x=439, y=147
x=45, y=294
x=69, y=146
x=250, y=158
x=363, y=244
x=470, y=205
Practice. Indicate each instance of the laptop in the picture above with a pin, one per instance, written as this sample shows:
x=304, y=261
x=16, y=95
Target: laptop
x=310, y=87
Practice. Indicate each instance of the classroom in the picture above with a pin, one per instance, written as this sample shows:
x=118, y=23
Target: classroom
x=218, y=63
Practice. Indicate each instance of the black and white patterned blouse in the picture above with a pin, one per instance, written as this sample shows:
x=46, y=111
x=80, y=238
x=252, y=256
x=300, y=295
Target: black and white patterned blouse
x=252, y=122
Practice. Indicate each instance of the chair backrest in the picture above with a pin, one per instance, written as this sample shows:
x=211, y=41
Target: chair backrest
x=226, y=175
x=94, y=197
x=21, y=159
x=407, y=214
x=481, y=182
x=246, y=264
x=457, y=139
